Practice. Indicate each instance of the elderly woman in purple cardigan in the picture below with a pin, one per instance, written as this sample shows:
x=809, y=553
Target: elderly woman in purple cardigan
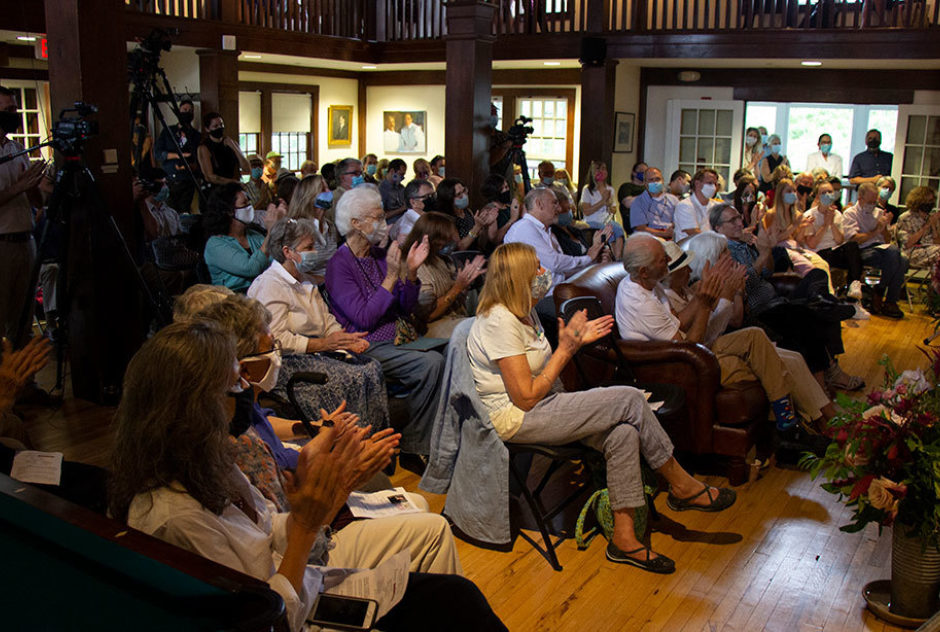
x=370, y=288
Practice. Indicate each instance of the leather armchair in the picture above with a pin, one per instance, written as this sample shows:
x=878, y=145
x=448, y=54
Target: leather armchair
x=717, y=420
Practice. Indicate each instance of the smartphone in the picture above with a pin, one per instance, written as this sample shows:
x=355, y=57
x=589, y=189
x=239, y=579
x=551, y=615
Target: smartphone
x=343, y=613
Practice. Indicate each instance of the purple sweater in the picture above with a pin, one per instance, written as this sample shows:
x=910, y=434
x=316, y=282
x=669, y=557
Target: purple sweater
x=357, y=297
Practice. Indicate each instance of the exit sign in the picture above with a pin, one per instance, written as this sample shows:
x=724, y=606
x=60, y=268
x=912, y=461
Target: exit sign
x=41, y=48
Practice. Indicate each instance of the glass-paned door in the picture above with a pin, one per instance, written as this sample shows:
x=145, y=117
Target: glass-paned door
x=549, y=140
x=917, y=149
x=704, y=134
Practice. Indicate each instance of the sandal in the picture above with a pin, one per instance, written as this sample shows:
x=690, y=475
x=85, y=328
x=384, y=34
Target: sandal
x=722, y=500
x=662, y=564
x=837, y=379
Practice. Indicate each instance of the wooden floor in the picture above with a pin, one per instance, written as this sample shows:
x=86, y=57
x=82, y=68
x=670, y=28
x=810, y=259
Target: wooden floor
x=775, y=561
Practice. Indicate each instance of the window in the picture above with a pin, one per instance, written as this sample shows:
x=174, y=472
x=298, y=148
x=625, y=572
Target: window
x=31, y=130
x=549, y=140
x=292, y=146
x=704, y=134
x=498, y=102
x=921, y=154
x=249, y=143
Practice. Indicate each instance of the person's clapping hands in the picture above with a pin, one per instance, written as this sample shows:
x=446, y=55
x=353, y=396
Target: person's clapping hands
x=580, y=331
x=470, y=271
x=417, y=254
x=18, y=367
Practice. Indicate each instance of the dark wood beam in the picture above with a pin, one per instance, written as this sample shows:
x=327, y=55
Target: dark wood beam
x=218, y=86
x=286, y=69
x=28, y=74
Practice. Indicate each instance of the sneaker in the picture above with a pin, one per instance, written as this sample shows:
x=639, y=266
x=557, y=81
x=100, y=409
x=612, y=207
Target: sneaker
x=860, y=312
x=855, y=290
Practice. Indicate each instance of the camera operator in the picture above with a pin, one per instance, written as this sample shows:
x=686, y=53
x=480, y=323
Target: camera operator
x=18, y=181
x=500, y=148
x=182, y=186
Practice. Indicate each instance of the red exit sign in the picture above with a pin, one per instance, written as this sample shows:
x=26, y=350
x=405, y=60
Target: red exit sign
x=41, y=48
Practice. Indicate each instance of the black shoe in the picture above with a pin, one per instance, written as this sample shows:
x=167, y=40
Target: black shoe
x=891, y=310
x=723, y=499
x=831, y=309
x=662, y=564
x=416, y=463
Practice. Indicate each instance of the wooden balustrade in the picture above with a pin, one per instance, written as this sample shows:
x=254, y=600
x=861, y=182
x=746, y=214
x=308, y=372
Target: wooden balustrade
x=408, y=20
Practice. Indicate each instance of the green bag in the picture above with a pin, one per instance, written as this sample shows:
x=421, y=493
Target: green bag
x=600, y=503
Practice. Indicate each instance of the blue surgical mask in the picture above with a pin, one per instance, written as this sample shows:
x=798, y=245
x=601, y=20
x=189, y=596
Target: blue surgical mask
x=518, y=177
x=565, y=219
x=161, y=196
x=563, y=182
x=750, y=141
x=775, y=148
x=462, y=202
x=310, y=260
x=884, y=193
x=440, y=172
x=257, y=172
x=763, y=138
x=370, y=169
x=655, y=188
x=548, y=181
x=357, y=180
x=638, y=175
x=324, y=200
x=789, y=197
x=396, y=178
x=825, y=199
x=825, y=148
x=446, y=249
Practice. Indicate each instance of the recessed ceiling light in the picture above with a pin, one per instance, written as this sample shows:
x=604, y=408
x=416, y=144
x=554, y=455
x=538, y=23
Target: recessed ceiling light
x=252, y=56
x=26, y=38
x=369, y=67
x=810, y=63
x=552, y=63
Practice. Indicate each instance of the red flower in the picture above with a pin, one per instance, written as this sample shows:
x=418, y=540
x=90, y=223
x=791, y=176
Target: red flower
x=861, y=487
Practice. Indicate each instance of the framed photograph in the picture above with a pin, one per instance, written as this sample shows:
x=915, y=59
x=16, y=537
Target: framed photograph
x=624, y=131
x=339, y=125
x=404, y=132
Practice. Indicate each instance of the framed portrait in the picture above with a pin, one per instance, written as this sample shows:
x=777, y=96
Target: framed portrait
x=404, y=132
x=624, y=131
x=339, y=125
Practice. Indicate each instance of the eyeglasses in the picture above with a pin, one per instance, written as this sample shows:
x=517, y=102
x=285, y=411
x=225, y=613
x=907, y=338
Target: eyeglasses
x=275, y=348
x=353, y=173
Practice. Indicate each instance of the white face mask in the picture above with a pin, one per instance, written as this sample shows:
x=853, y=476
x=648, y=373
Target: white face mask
x=708, y=190
x=269, y=381
x=379, y=233
x=245, y=214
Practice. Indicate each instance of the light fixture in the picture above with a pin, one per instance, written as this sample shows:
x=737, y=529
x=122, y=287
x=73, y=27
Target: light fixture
x=252, y=56
x=808, y=62
x=26, y=38
x=552, y=63
x=689, y=76
x=369, y=67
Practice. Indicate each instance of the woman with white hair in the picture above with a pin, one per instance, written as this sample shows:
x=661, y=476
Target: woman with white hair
x=374, y=288
x=309, y=336
x=705, y=249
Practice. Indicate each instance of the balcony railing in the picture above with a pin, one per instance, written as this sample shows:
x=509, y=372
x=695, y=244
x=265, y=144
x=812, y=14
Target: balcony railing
x=406, y=20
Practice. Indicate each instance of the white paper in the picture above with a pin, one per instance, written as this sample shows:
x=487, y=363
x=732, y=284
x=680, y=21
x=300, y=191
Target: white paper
x=31, y=466
x=388, y=502
x=385, y=583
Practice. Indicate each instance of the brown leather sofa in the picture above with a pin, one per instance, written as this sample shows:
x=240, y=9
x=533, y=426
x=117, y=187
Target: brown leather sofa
x=717, y=420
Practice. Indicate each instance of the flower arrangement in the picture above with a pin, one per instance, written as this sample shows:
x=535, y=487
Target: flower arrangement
x=884, y=460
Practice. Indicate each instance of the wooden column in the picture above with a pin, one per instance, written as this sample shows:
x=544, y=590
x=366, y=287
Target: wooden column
x=597, y=115
x=218, y=86
x=88, y=62
x=469, y=83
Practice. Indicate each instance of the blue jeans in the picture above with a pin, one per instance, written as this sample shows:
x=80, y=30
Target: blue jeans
x=893, y=266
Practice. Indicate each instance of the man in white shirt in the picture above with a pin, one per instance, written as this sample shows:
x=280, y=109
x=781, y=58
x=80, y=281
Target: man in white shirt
x=534, y=228
x=869, y=226
x=824, y=158
x=17, y=247
x=412, y=136
x=417, y=195
x=691, y=214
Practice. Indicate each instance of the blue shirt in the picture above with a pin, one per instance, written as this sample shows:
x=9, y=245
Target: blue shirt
x=653, y=212
x=871, y=163
x=231, y=265
x=285, y=457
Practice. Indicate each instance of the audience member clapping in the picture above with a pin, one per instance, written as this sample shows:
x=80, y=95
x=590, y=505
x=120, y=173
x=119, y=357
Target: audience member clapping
x=312, y=200
x=234, y=253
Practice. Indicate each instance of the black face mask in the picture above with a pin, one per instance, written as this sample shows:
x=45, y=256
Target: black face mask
x=803, y=190
x=241, y=420
x=505, y=197
x=186, y=118
x=926, y=208
x=873, y=143
x=10, y=121
x=217, y=133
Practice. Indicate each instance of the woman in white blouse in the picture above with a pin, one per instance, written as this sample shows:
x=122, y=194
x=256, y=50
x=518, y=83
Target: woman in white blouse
x=516, y=375
x=309, y=335
x=174, y=478
x=599, y=205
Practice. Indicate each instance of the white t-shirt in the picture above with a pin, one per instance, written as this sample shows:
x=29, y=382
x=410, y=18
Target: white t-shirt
x=593, y=197
x=832, y=164
x=493, y=336
x=643, y=314
x=690, y=214
x=827, y=241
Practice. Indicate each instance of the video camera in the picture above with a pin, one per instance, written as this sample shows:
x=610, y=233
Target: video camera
x=142, y=62
x=520, y=131
x=69, y=133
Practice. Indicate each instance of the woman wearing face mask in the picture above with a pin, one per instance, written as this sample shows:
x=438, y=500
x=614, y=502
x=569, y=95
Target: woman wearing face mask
x=886, y=187
x=919, y=228
x=220, y=158
x=442, y=302
x=234, y=253
x=496, y=190
x=746, y=202
x=474, y=230
x=599, y=205
x=516, y=375
x=753, y=151
x=310, y=336
x=375, y=290
x=770, y=162
x=312, y=199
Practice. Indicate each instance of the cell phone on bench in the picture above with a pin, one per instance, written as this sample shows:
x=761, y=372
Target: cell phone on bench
x=343, y=613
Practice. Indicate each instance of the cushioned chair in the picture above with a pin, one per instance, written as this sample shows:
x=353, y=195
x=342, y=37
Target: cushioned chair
x=717, y=420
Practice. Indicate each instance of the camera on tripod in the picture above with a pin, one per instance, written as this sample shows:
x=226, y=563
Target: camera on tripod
x=520, y=131
x=142, y=62
x=69, y=133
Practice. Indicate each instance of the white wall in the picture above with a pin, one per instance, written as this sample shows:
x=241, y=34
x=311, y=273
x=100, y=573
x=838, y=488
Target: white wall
x=333, y=91
x=428, y=99
x=654, y=149
x=626, y=99
x=926, y=97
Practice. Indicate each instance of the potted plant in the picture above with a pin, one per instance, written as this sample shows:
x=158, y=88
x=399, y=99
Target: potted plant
x=884, y=462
